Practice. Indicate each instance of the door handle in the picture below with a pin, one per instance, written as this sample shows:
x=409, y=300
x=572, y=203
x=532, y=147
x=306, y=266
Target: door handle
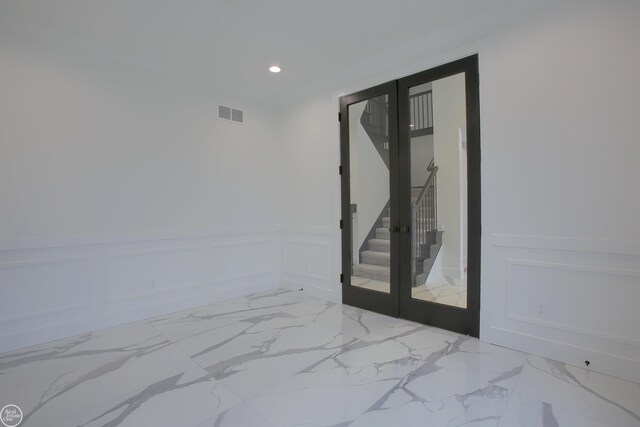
x=394, y=229
x=406, y=229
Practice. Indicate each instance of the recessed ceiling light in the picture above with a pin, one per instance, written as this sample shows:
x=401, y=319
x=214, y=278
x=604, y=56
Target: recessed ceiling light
x=274, y=69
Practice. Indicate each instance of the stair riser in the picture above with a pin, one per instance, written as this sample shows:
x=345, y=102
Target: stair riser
x=378, y=247
x=383, y=233
x=373, y=275
x=368, y=259
x=386, y=223
x=420, y=279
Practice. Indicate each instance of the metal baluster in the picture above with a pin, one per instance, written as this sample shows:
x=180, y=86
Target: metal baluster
x=424, y=224
x=429, y=109
x=420, y=119
x=435, y=201
x=419, y=235
x=422, y=242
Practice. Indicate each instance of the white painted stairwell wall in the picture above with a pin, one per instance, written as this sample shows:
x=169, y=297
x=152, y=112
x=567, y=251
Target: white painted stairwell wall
x=122, y=196
x=561, y=242
x=448, y=117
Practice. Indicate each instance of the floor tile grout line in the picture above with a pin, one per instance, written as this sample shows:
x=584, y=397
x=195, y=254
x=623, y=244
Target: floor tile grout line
x=176, y=346
x=241, y=400
x=513, y=390
x=577, y=386
x=257, y=411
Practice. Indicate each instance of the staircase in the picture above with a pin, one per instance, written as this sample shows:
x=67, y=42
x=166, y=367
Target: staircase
x=375, y=252
x=376, y=260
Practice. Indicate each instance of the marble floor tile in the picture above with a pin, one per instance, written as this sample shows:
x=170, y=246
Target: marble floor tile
x=426, y=371
x=376, y=285
x=71, y=375
x=444, y=290
x=241, y=415
x=255, y=352
x=280, y=358
x=372, y=326
x=252, y=309
x=458, y=383
x=608, y=400
x=325, y=395
x=526, y=411
x=184, y=399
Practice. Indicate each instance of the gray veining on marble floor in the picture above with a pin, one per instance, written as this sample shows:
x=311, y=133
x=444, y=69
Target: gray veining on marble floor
x=280, y=358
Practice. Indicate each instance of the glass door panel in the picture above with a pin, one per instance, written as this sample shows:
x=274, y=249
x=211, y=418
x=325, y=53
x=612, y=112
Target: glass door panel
x=370, y=207
x=370, y=233
x=437, y=134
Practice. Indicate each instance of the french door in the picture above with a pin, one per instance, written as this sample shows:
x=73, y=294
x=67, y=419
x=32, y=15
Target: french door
x=410, y=155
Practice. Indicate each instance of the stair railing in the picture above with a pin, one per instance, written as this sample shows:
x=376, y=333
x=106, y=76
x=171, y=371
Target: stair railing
x=421, y=113
x=425, y=215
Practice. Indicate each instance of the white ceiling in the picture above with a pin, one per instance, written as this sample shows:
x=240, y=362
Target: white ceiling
x=229, y=44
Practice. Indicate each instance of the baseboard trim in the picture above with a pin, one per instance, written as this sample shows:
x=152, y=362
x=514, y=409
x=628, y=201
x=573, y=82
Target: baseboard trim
x=312, y=290
x=602, y=362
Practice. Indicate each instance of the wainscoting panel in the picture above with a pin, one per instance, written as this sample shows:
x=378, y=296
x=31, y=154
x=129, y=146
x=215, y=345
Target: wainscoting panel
x=142, y=273
x=37, y=287
x=563, y=296
x=251, y=257
x=54, y=289
x=309, y=261
x=548, y=297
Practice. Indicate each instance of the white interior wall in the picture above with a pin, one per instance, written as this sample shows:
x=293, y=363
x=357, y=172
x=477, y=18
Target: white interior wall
x=421, y=155
x=158, y=144
x=122, y=195
x=310, y=194
x=560, y=237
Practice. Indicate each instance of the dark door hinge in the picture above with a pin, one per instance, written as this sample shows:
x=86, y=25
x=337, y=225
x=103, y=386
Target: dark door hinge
x=340, y=170
x=341, y=278
x=339, y=116
x=341, y=224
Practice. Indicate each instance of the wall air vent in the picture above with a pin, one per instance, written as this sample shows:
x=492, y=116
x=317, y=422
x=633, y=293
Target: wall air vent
x=231, y=114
